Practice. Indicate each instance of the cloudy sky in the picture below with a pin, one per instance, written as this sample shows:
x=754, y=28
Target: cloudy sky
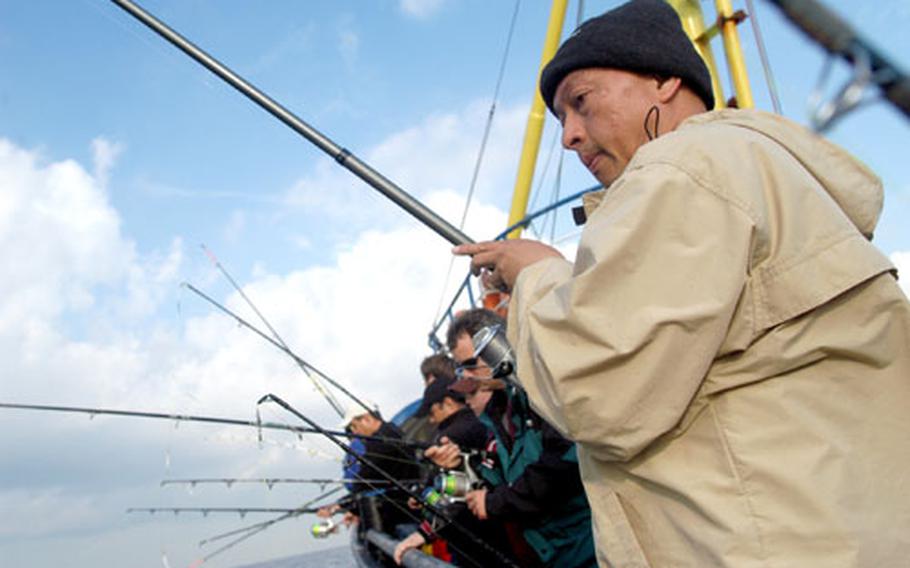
x=119, y=157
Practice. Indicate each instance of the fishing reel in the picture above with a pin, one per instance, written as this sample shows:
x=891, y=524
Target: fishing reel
x=324, y=528
x=454, y=485
x=433, y=497
x=492, y=347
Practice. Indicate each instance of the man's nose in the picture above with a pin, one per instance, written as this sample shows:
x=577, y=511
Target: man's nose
x=572, y=132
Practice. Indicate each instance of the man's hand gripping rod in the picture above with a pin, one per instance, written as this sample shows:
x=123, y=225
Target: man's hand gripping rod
x=341, y=155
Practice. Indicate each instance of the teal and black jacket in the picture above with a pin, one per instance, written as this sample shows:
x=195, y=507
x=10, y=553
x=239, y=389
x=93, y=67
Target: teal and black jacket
x=535, y=483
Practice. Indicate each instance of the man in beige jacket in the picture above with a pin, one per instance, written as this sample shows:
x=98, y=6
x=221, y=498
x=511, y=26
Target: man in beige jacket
x=729, y=350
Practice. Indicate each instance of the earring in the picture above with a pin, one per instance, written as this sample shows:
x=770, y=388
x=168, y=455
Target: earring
x=656, y=113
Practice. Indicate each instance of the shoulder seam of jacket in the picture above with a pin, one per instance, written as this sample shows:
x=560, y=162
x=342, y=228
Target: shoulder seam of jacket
x=700, y=181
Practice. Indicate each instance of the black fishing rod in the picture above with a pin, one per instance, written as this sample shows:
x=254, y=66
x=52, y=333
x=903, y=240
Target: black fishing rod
x=242, y=511
x=341, y=155
x=272, y=481
x=397, y=484
x=258, y=424
x=838, y=38
x=259, y=527
x=333, y=402
x=280, y=346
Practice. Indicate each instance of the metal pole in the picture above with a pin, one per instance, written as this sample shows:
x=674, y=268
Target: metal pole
x=410, y=559
x=735, y=61
x=838, y=38
x=341, y=155
x=693, y=21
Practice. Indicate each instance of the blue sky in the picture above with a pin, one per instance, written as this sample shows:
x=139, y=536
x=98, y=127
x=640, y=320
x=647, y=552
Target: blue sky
x=119, y=156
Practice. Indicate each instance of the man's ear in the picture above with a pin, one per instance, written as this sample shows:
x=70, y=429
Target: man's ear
x=667, y=88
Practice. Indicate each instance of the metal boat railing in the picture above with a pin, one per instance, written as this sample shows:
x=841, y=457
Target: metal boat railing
x=410, y=559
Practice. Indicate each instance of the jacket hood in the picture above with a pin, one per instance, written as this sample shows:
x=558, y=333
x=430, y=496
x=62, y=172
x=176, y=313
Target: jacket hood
x=852, y=185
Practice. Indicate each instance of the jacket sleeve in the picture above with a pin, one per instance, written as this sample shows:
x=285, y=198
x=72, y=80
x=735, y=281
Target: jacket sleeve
x=612, y=349
x=543, y=486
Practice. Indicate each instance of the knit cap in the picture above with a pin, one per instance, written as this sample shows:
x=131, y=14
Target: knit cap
x=644, y=36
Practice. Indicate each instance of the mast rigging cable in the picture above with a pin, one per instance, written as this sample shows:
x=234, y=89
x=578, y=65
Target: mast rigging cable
x=482, y=151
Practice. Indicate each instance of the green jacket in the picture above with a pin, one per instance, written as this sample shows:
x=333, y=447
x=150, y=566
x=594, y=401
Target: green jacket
x=535, y=476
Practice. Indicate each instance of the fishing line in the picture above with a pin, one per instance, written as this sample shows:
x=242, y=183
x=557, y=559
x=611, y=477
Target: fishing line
x=206, y=511
x=270, y=482
x=296, y=445
x=288, y=513
x=208, y=419
x=432, y=508
x=539, y=190
x=279, y=346
x=481, y=152
x=258, y=528
x=333, y=402
x=765, y=60
x=343, y=156
x=557, y=188
x=405, y=508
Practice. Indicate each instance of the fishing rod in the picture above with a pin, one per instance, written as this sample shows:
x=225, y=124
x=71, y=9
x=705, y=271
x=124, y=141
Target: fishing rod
x=341, y=155
x=329, y=397
x=279, y=346
x=270, y=482
x=242, y=511
x=398, y=485
x=259, y=527
x=258, y=424
x=267, y=523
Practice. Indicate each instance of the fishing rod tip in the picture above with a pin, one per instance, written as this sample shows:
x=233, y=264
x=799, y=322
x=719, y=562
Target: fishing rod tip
x=265, y=398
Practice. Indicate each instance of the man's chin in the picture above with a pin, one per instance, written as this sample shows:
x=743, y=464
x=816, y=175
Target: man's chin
x=605, y=179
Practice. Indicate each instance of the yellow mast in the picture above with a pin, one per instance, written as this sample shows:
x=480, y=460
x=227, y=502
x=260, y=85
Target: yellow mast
x=534, y=128
x=693, y=22
x=727, y=21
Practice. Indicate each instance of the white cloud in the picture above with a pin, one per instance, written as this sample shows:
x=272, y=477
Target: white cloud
x=362, y=319
x=437, y=154
x=104, y=153
x=901, y=259
x=59, y=237
x=84, y=326
x=420, y=9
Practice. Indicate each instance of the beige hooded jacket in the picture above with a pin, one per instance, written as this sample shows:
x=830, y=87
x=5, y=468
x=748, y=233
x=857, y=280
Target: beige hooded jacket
x=731, y=354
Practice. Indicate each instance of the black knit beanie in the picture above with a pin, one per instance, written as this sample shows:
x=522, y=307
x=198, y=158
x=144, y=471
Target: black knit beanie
x=644, y=36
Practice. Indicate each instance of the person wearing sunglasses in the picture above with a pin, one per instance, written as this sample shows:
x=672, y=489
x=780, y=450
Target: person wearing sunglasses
x=532, y=470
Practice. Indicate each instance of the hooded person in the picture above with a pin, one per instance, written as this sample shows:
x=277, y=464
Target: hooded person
x=729, y=349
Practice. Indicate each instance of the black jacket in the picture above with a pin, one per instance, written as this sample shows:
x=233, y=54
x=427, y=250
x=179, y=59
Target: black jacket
x=397, y=460
x=464, y=429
